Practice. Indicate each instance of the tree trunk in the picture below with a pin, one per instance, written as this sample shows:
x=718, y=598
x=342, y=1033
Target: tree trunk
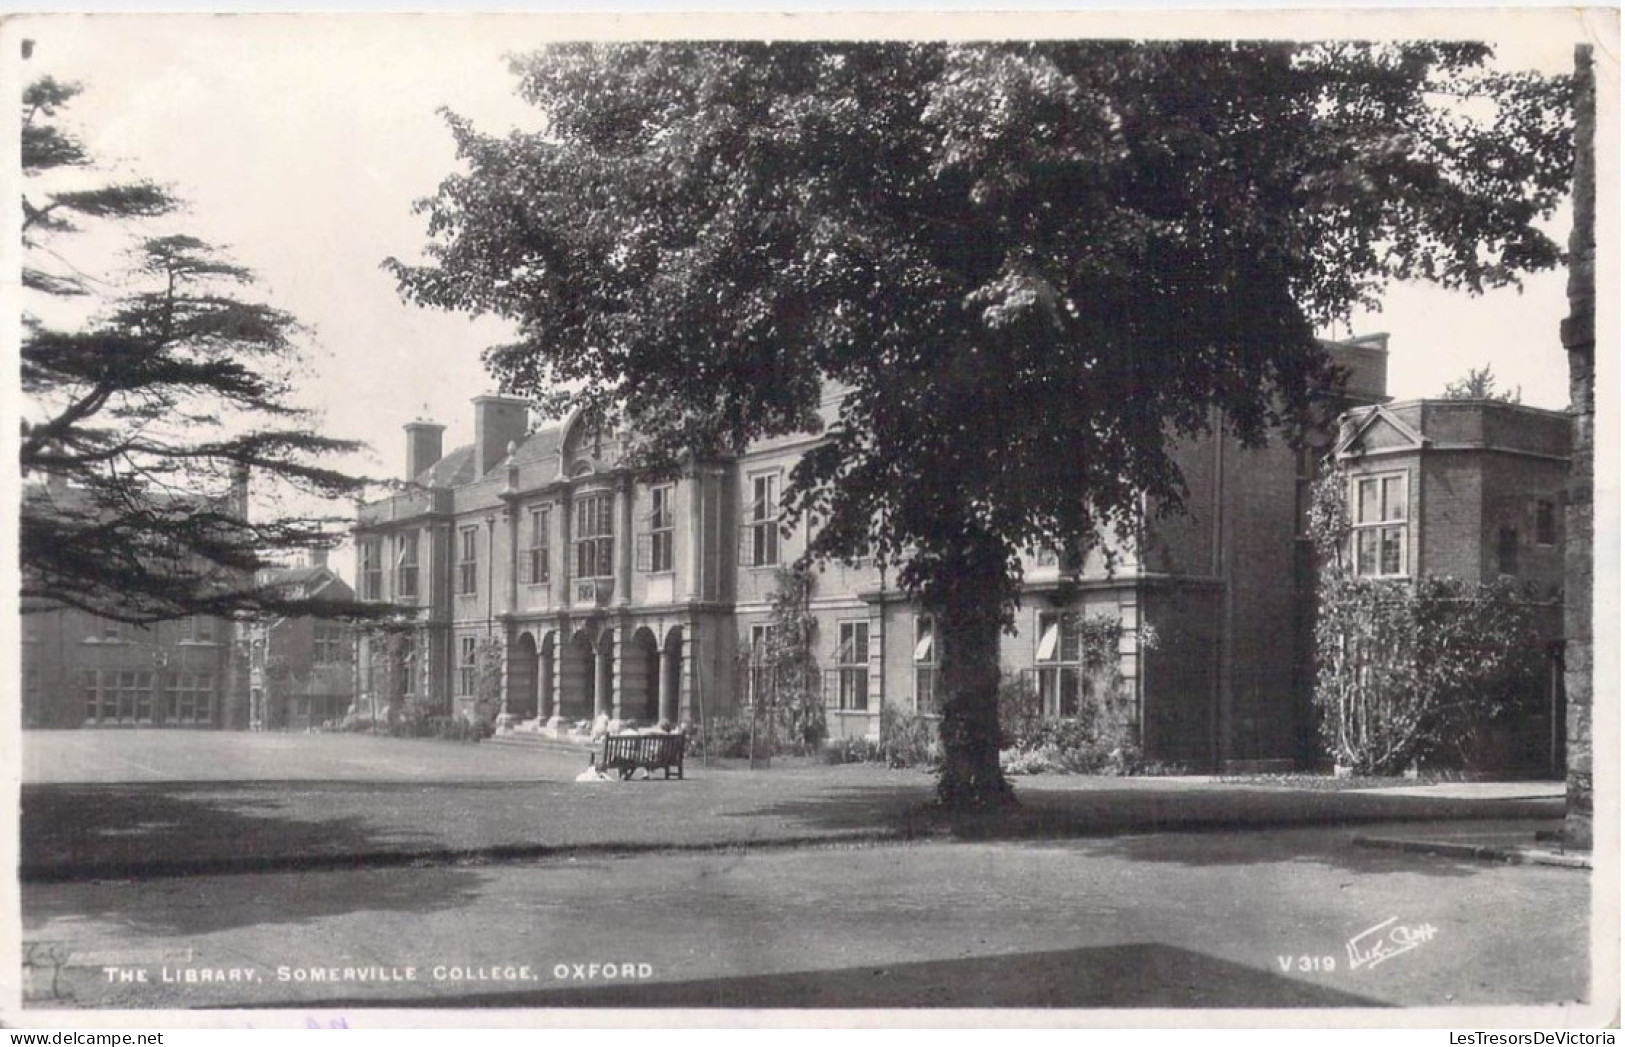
x=969, y=605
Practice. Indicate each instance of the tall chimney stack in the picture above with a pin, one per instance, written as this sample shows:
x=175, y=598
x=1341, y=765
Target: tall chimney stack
x=498, y=422
x=423, y=446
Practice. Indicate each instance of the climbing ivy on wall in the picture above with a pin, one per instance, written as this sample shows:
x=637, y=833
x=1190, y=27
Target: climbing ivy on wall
x=1410, y=670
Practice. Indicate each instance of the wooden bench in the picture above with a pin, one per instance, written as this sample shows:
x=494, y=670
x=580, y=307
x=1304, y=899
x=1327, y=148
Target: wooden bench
x=628, y=752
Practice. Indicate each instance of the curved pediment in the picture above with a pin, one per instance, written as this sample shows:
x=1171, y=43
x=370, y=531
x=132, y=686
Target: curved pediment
x=588, y=447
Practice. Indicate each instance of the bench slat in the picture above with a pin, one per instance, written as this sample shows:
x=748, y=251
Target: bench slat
x=628, y=752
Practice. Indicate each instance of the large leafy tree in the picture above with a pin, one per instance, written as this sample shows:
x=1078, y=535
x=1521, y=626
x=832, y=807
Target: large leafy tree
x=148, y=410
x=1028, y=268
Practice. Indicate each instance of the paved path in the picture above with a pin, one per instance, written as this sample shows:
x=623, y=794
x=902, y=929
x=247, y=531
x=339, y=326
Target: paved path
x=1262, y=920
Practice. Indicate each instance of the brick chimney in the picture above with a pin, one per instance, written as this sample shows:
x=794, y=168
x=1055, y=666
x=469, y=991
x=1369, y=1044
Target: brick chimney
x=318, y=557
x=498, y=422
x=423, y=446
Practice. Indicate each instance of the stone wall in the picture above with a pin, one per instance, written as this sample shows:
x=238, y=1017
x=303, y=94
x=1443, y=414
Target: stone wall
x=1579, y=340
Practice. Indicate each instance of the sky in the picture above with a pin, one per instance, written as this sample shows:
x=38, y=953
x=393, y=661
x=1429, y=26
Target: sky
x=301, y=142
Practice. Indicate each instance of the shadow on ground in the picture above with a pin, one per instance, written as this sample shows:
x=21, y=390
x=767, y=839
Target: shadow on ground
x=81, y=832
x=192, y=906
x=1120, y=976
x=1213, y=847
x=99, y=831
x=1137, y=811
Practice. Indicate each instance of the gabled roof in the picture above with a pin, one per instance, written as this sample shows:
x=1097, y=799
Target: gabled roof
x=311, y=582
x=1371, y=420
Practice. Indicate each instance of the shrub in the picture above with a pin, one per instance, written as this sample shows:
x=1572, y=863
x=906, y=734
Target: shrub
x=1021, y=714
x=416, y=721
x=782, y=673
x=730, y=738
x=852, y=750
x=907, y=739
x=1102, y=739
x=1413, y=671
x=457, y=729
x=1014, y=761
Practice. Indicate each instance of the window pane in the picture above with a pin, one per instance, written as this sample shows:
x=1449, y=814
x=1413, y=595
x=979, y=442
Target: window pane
x=854, y=689
x=1368, y=507
x=1393, y=498
x=1070, y=647
x=1048, y=638
x=926, y=699
x=1546, y=523
x=1393, y=550
x=1070, y=686
x=1365, y=553
x=924, y=646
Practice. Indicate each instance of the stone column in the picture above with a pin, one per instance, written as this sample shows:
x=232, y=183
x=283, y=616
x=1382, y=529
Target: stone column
x=546, y=696
x=668, y=705
x=689, y=696
x=694, y=536
x=625, y=542
x=603, y=671
x=565, y=530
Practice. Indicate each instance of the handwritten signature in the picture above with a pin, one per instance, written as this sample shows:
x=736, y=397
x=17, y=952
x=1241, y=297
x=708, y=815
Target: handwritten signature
x=1383, y=942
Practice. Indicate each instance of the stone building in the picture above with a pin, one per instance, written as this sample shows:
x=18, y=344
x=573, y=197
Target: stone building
x=81, y=670
x=645, y=601
x=301, y=670
x=1474, y=490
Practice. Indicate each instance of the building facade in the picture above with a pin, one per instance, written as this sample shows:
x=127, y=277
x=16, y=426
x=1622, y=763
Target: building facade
x=645, y=601
x=80, y=670
x=1474, y=490
x=301, y=670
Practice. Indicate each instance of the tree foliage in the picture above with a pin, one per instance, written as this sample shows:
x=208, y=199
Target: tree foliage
x=788, y=667
x=1479, y=384
x=149, y=414
x=1027, y=268
x=490, y=673
x=1411, y=669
